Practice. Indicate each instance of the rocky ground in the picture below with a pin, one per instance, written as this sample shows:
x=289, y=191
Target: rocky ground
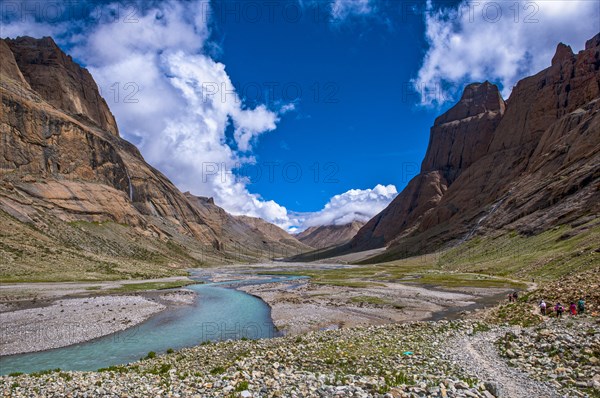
x=569, y=289
x=477, y=355
x=368, y=361
x=565, y=352
x=301, y=306
x=58, y=323
x=434, y=359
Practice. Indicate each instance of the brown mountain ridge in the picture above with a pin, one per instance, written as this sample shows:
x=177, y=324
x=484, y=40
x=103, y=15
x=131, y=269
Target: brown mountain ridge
x=81, y=201
x=527, y=164
x=323, y=236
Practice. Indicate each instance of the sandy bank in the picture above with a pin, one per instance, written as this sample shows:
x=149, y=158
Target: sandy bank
x=68, y=321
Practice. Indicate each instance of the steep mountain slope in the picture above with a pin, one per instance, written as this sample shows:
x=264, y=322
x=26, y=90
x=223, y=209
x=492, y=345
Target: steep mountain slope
x=288, y=244
x=329, y=235
x=60, y=81
x=62, y=163
x=527, y=165
x=248, y=236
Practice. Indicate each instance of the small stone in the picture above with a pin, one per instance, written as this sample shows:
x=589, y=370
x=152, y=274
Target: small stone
x=491, y=387
x=461, y=385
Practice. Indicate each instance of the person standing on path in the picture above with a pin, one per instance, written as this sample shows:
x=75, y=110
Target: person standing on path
x=559, y=310
x=543, y=307
x=581, y=306
x=573, y=309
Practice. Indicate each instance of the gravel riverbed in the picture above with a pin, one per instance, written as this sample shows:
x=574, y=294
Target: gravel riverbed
x=301, y=306
x=68, y=321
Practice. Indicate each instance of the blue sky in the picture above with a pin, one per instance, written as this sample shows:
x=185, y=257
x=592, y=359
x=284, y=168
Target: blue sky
x=302, y=112
x=350, y=120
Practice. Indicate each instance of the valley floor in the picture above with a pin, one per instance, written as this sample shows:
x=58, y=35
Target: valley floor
x=348, y=334
x=303, y=305
x=52, y=315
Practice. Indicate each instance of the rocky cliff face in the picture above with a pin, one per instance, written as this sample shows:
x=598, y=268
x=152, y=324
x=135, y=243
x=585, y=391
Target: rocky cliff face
x=458, y=138
x=462, y=135
x=63, y=162
x=8, y=66
x=60, y=81
x=526, y=165
x=329, y=235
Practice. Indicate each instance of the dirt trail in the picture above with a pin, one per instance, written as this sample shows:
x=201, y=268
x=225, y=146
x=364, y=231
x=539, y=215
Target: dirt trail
x=478, y=356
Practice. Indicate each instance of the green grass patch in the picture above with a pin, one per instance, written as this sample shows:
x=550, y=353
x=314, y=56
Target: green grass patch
x=241, y=386
x=217, y=370
x=445, y=279
x=116, y=369
x=45, y=372
x=368, y=300
x=160, y=370
x=413, y=271
x=549, y=255
x=135, y=287
x=348, y=283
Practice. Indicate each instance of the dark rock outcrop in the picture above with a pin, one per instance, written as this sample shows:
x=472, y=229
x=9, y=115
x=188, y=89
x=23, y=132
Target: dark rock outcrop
x=458, y=138
x=527, y=165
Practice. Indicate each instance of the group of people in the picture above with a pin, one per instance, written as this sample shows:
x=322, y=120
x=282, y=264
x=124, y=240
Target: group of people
x=574, y=309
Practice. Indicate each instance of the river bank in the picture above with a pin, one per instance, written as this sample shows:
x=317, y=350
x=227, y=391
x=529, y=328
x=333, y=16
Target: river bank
x=52, y=315
x=46, y=316
x=298, y=307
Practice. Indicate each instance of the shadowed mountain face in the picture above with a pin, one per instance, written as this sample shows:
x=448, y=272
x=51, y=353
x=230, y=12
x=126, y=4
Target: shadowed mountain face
x=62, y=163
x=526, y=164
x=329, y=235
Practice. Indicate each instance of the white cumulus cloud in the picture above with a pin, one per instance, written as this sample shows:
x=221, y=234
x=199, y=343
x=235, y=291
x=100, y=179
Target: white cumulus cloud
x=352, y=205
x=171, y=99
x=498, y=41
